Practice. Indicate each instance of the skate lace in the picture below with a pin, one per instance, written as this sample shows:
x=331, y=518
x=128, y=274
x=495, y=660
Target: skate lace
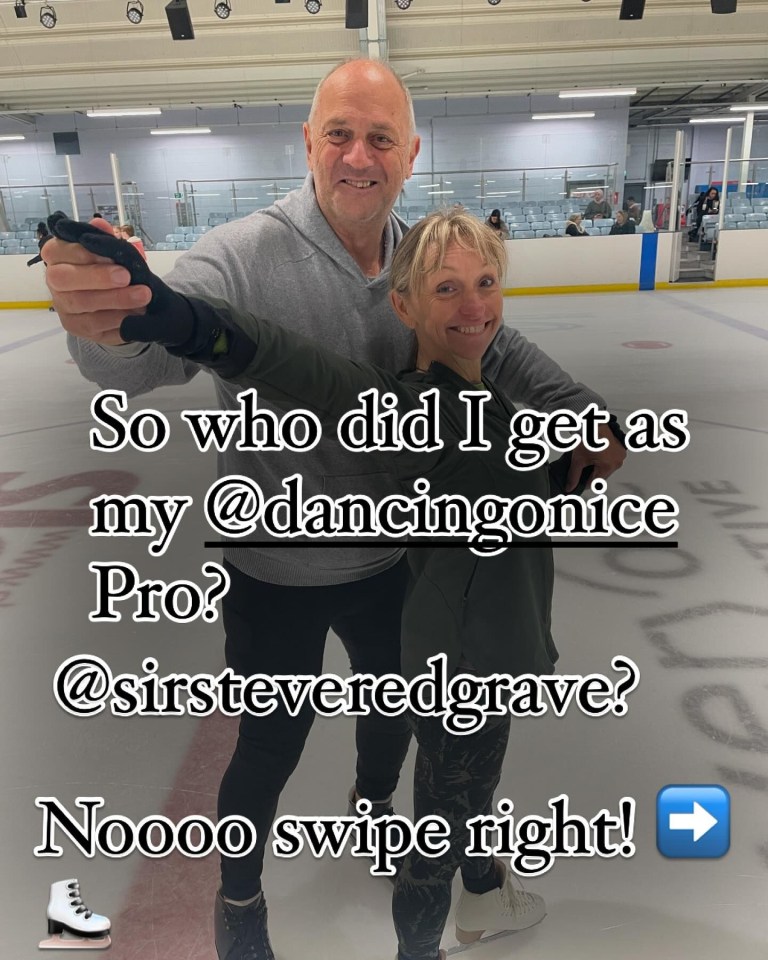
x=76, y=900
x=516, y=902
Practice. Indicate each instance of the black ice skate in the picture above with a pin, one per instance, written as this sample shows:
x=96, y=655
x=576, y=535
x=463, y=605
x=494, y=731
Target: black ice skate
x=71, y=925
x=241, y=932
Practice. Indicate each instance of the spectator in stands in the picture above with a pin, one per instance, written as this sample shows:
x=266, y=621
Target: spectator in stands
x=127, y=232
x=623, y=224
x=497, y=224
x=696, y=210
x=633, y=209
x=573, y=227
x=711, y=206
x=598, y=207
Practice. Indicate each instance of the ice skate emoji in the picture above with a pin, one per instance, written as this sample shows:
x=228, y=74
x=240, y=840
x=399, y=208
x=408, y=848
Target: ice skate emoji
x=71, y=925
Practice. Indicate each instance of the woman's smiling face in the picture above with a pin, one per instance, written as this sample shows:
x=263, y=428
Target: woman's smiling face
x=456, y=313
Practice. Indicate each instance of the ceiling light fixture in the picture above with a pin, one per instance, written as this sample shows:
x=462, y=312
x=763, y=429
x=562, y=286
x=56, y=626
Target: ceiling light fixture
x=717, y=119
x=494, y=3
x=312, y=6
x=402, y=4
x=20, y=9
x=127, y=112
x=48, y=16
x=598, y=92
x=13, y=136
x=222, y=9
x=574, y=115
x=749, y=108
x=173, y=131
x=134, y=12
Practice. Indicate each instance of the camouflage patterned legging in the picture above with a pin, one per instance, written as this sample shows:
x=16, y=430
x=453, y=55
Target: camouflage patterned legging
x=455, y=778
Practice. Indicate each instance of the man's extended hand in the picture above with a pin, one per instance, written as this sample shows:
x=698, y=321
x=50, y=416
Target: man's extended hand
x=91, y=293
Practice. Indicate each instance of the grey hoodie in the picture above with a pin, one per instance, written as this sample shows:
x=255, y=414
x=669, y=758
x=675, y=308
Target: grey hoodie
x=286, y=264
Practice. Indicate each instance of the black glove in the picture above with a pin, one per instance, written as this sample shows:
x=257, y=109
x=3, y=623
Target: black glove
x=559, y=469
x=558, y=476
x=185, y=326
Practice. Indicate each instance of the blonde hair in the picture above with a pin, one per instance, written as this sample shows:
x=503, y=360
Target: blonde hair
x=128, y=229
x=423, y=249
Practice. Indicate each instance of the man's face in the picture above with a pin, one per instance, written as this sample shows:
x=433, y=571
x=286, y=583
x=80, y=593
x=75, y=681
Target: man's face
x=598, y=195
x=360, y=147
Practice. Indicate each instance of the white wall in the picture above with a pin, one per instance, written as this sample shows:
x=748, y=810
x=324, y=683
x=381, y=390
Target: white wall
x=544, y=262
x=742, y=255
x=572, y=261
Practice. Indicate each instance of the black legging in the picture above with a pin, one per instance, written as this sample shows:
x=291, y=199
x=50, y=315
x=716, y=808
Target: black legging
x=455, y=778
x=281, y=630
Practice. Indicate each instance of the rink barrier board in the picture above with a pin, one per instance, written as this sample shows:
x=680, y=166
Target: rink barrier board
x=604, y=265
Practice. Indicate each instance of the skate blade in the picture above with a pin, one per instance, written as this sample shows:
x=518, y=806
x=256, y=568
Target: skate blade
x=463, y=947
x=490, y=938
x=58, y=942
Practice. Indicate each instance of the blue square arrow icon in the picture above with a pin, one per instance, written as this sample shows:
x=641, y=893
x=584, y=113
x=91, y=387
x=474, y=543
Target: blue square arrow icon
x=693, y=821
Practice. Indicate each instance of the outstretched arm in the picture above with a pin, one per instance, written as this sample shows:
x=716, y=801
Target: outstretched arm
x=286, y=367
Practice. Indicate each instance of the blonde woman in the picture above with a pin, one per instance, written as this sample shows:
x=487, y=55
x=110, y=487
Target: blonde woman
x=573, y=227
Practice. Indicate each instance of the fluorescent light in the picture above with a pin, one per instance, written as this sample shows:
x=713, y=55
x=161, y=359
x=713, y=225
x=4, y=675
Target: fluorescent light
x=599, y=92
x=426, y=186
x=717, y=119
x=126, y=112
x=749, y=108
x=13, y=136
x=173, y=131
x=574, y=115
x=195, y=194
x=440, y=191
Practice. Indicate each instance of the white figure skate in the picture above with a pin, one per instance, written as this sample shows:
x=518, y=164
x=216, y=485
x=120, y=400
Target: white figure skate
x=502, y=912
x=71, y=925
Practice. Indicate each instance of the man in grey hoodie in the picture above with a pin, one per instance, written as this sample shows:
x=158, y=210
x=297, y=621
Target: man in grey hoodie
x=317, y=261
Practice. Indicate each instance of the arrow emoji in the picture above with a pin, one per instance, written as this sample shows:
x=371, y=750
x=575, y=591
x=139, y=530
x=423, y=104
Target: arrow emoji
x=700, y=821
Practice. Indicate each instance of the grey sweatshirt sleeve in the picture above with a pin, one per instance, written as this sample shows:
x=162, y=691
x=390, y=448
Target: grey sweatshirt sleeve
x=135, y=373
x=528, y=376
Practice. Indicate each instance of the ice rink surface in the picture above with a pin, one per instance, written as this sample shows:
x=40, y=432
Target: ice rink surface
x=694, y=619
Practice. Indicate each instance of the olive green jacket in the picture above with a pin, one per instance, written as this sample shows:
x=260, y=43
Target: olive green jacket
x=492, y=611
